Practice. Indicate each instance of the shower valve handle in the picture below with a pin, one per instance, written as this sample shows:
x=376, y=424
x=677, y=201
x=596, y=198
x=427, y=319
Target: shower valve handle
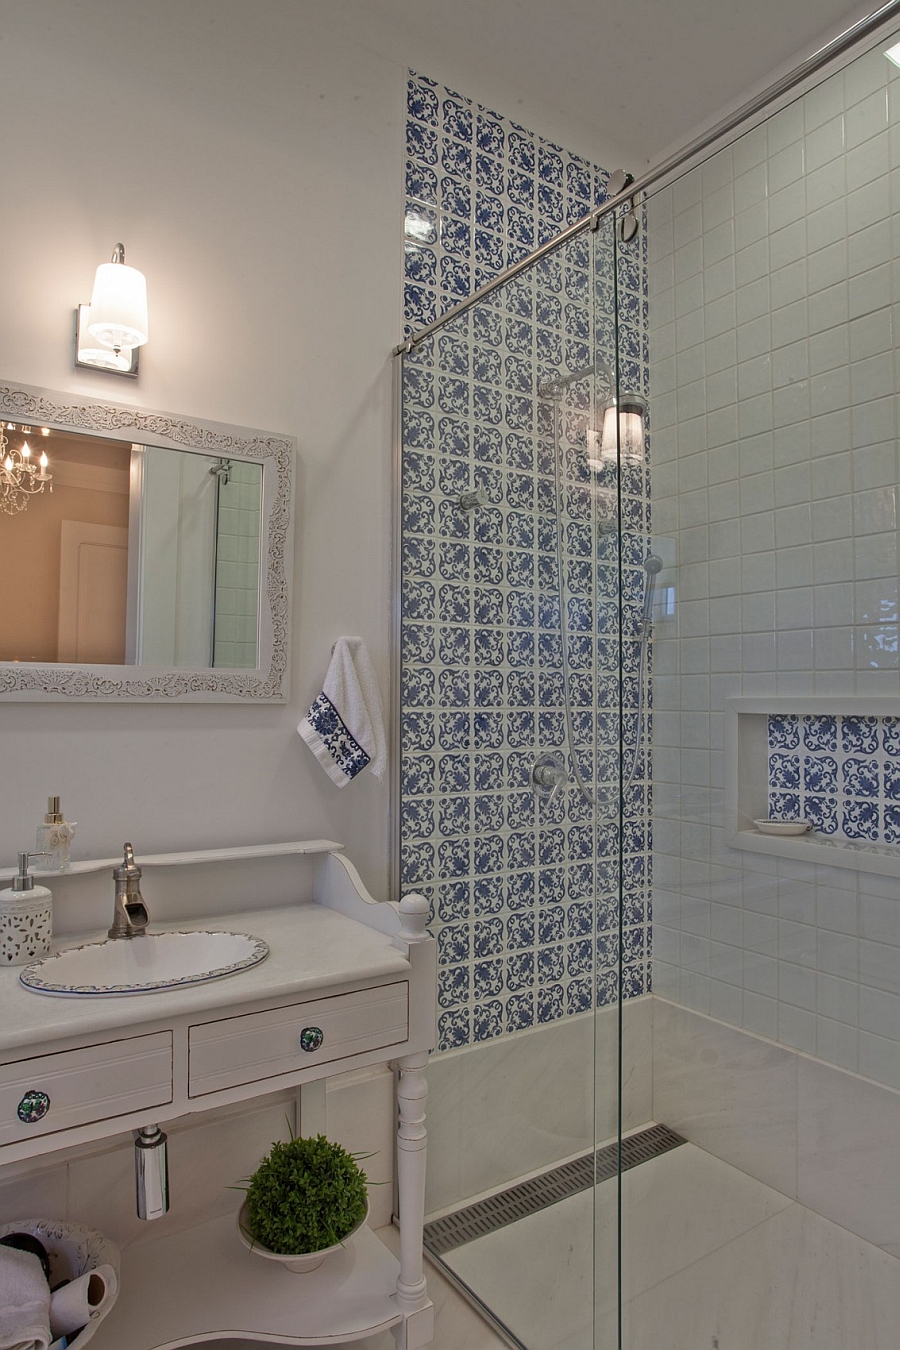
x=549, y=776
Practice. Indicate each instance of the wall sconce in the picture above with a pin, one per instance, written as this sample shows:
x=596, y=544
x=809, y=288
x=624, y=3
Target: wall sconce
x=20, y=477
x=621, y=434
x=110, y=330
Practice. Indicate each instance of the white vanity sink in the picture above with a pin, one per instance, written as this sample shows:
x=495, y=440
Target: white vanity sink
x=145, y=964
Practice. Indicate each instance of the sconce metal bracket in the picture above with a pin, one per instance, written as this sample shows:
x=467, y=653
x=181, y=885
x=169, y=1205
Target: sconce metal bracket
x=84, y=342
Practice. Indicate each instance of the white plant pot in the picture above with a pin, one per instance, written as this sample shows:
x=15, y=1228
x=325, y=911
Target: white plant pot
x=302, y=1262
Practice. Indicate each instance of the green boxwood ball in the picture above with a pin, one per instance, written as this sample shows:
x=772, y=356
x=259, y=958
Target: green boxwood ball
x=306, y=1195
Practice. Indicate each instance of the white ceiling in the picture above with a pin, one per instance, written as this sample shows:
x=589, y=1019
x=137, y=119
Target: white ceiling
x=643, y=73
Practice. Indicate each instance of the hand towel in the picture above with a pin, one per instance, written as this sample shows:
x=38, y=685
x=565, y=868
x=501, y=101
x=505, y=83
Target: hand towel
x=344, y=727
x=24, y=1302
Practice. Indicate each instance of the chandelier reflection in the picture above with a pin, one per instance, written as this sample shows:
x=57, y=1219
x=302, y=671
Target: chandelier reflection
x=22, y=475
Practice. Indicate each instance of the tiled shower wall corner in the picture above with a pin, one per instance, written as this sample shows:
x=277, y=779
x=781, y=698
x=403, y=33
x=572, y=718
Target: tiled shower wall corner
x=481, y=194
x=524, y=893
x=773, y=276
x=235, y=640
x=841, y=774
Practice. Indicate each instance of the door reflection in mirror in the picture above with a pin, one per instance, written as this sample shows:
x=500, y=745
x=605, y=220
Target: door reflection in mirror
x=142, y=555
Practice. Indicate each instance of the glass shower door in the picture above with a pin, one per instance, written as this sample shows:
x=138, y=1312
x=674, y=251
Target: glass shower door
x=626, y=596
x=510, y=739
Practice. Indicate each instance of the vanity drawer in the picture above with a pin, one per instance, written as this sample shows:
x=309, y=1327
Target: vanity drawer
x=256, y=1046
x=75, y=1087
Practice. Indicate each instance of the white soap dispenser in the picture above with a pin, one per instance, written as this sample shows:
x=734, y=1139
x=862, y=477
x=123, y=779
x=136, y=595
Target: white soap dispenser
x=26, y=918
x=54, y=838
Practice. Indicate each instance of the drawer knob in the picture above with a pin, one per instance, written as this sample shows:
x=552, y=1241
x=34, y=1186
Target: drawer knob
x=33, y=1107
x=311, y=1038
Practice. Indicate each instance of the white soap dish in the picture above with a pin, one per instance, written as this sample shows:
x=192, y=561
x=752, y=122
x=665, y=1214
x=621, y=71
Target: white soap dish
x=783, y=827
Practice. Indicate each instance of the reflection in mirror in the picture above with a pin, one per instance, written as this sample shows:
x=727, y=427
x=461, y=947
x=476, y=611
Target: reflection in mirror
x=137, y=555
x=154, y=564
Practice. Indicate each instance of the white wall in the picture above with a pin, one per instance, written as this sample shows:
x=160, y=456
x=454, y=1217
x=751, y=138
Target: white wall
x=250, y=157
x=252, y=166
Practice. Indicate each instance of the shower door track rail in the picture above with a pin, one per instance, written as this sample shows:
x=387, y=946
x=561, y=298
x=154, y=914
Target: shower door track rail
x=866, y=27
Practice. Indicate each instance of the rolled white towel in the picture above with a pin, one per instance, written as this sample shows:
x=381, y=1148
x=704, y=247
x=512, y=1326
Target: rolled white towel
x=73, y=1306
x=24, y=1302
x=344, y=727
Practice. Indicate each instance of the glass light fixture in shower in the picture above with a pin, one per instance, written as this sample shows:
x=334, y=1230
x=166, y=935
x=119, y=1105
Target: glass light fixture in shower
x=621, y=433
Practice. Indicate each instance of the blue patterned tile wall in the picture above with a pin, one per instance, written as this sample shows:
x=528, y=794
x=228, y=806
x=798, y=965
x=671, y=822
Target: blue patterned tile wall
x=524, y=891
x=481, y=194
x=842, y=774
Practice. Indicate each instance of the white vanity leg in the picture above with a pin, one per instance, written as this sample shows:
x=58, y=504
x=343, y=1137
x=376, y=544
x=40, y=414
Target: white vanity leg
x=412, y=1092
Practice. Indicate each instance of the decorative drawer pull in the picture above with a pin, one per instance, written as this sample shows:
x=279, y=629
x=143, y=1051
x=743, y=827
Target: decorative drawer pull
x=33, y=1107
x=311, y=1038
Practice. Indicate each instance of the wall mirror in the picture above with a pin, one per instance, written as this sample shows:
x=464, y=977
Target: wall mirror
x=154, y=562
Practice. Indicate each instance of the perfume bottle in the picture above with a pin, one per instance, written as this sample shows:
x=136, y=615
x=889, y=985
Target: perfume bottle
x=54, y=838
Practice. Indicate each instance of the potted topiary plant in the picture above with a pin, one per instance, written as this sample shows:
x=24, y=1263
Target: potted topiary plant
x=303, y=1201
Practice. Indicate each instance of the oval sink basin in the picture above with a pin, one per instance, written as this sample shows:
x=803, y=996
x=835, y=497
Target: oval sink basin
x=143, y=965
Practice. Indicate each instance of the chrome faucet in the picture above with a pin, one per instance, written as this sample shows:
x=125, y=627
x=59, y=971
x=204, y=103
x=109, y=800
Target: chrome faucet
x=130, y=916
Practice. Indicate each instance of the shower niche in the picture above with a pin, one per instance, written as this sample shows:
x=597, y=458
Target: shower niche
x=834, y=762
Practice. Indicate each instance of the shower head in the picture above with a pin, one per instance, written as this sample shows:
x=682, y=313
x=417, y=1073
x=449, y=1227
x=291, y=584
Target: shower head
x=653, y=565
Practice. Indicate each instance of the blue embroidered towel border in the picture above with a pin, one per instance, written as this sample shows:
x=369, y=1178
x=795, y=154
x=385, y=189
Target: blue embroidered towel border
x=344, y=726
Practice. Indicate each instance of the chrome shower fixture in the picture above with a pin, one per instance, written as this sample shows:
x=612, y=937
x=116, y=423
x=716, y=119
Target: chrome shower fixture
x=653, y=565
x=473, y=500
x=548, y=775
x=554, y=388
x=627, y=225
x=619, y=180
x=222, y=470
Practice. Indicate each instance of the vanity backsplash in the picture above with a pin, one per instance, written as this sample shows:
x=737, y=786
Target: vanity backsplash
x=841, y=773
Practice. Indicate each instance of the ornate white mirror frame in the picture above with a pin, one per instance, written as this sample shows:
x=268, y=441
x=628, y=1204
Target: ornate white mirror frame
x=268, y=683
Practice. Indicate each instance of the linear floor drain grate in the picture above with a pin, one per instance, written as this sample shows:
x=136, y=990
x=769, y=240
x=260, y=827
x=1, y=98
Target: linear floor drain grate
x=527, y=1197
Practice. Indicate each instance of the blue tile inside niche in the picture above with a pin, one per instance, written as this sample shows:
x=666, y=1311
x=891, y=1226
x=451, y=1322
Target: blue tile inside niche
x=841, y=773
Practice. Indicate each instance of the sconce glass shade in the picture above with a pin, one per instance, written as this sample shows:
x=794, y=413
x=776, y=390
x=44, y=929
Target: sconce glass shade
x=119, y=307
x=90, y=353
x=622, y=433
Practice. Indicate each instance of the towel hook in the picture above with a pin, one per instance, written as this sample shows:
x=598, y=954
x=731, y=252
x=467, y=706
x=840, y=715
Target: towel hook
x=352, y=640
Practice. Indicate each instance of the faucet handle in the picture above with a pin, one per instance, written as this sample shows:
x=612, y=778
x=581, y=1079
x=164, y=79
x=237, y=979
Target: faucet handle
x=130, y=914
x=128, y=868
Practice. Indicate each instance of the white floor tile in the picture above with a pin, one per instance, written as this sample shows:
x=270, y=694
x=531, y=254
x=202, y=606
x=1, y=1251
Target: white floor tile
x=712, y=1258
x=794, y=1282
x=536, y=1275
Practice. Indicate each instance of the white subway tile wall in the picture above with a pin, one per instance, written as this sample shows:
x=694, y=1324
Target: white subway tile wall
x=773, y=274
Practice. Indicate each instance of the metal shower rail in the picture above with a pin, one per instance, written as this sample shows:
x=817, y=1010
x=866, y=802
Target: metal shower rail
x=838, y=46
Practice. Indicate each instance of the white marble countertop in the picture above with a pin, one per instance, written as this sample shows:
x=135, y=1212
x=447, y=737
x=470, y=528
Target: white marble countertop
x=310, y=948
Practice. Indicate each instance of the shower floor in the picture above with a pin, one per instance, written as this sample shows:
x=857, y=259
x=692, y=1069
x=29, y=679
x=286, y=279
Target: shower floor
x=713, y=1260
